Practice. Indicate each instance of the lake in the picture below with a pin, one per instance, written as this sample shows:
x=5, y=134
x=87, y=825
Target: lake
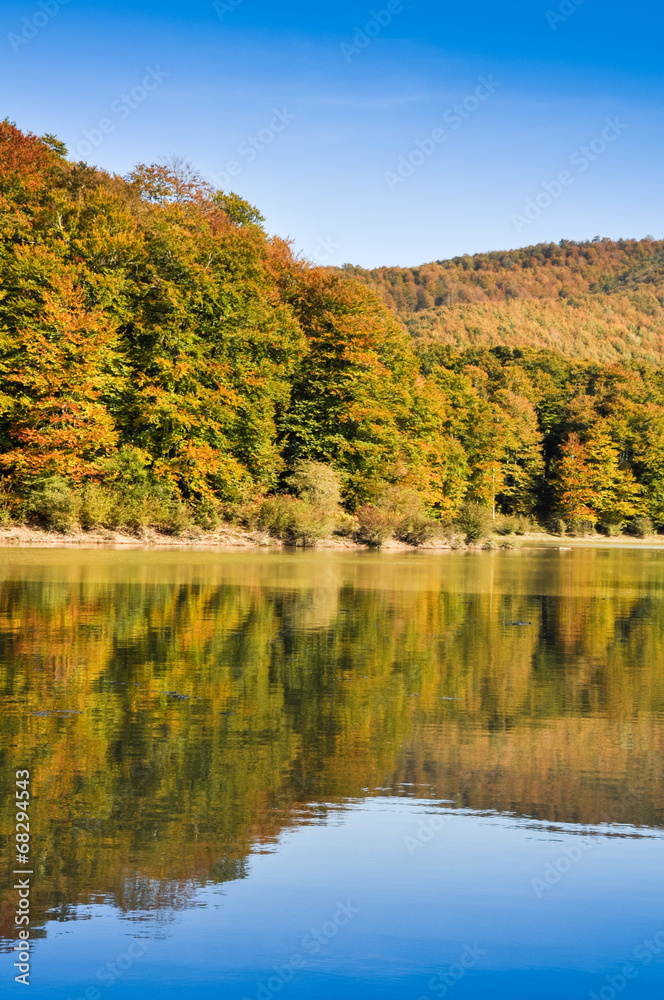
x=326, y=774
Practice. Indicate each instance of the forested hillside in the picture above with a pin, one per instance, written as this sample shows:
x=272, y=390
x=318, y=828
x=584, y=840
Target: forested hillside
x=166, y=364
x=600, y=301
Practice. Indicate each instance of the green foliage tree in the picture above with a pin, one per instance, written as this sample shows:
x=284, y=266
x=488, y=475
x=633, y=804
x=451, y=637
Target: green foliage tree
x=151, y=316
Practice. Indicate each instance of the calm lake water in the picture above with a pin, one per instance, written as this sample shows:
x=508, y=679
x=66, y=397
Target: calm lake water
x=322, y=775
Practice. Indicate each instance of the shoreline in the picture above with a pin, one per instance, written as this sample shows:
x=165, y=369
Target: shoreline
x=232, y=538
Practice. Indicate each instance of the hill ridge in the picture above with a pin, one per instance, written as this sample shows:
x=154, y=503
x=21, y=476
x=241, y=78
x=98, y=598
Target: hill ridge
x=602, y=299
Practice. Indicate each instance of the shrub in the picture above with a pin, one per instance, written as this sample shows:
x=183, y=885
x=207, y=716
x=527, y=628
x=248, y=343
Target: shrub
x=53, y=503
x=7, y=503
x=276, y=515
x=346, y=525
x=581, y=527
x=641, y=527
x=179, y=520
x=311, y=516
x=294, y=521
x=318, y=485
x=207, y=514
x=413, y=524
x=514, y=524
x=475, y=522
x=132, y=497
x=418, y=531
x=556, y=526
x=609, y=528
x=375, y=525
x=99, y=506
x=399, y=511
x=525, y=525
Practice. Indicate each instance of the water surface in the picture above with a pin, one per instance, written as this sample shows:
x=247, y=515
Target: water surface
x=323, y=774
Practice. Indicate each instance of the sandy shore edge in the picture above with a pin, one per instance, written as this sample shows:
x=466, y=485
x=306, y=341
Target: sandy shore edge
x=230, y=537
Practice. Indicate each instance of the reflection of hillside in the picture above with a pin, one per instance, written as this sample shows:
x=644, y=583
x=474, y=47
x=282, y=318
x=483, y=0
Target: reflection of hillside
x=219, y=694
x=570, y=770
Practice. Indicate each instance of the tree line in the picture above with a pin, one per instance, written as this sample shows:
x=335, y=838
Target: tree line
x=165, y=363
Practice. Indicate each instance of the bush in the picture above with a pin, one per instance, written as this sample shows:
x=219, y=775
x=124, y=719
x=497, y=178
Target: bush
x=640, y=527
x=609, y=528
x=276, y=515
x=556, y=526
x=418, y=531
x=399, y=511
x=311, y=516
x=582, y=527
x=475, y=522
x=53, y=503
x=104, y=506
x=413, y=524
x=7, y=503
x=346, y=526
x=99, y=506
x=525, y=525
x=134, y=503
x=132, y=497
x=375, y=525
x=318, y=485
x=514, y=524
x=294, y=521
x=207, y=515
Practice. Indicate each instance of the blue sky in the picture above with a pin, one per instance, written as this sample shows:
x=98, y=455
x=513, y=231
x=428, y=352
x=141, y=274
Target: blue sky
x=338, y=119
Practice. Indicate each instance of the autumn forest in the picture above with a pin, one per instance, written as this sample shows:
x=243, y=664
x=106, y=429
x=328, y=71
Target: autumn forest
x=165, y=363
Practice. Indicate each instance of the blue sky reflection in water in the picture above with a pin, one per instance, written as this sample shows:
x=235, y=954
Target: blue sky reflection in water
x=357, y=774
x=466, y=894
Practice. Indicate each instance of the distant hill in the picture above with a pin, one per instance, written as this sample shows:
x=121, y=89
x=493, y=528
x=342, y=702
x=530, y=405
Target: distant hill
x=165, y=364
x=601, y=301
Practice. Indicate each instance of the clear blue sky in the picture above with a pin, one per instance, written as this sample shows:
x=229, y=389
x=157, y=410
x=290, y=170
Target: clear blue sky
x=353, y=108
